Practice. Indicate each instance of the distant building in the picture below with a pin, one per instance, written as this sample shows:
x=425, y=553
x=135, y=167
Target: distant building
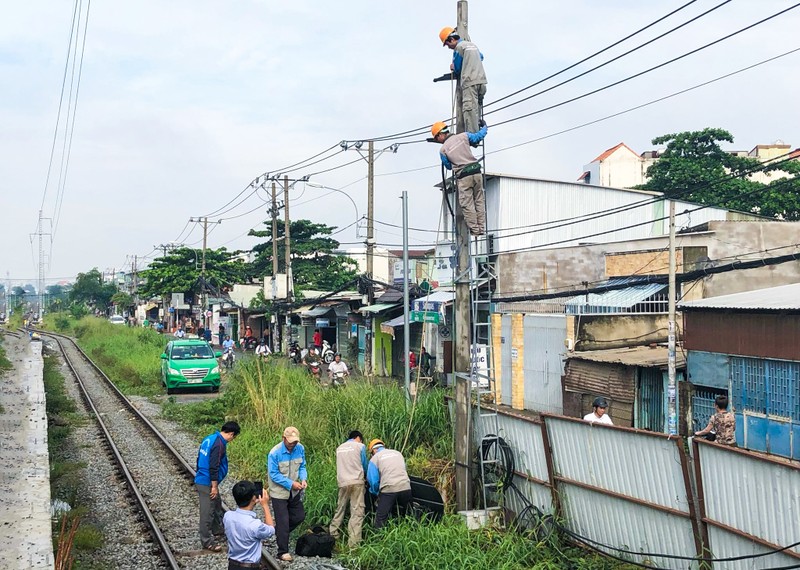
x=621, y=167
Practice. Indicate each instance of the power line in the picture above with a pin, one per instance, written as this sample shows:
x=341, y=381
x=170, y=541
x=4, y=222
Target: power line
x=646, y=71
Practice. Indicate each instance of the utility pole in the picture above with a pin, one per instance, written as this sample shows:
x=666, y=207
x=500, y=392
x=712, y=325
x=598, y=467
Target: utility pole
x=40, y=233
x=672, y=387
x=203, y=298
x=462, y=334
x=288, y=253
x=406, y=323
x=369, y=252
x=275, y=323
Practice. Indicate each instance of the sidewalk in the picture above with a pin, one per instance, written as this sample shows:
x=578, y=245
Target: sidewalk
x=25, y=528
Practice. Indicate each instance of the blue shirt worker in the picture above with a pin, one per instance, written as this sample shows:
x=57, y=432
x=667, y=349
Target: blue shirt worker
x=212, y=467
x=388, y=479
x=456, y=155
x=243, y=529
x=351, y=469
x=467, y=66
x=286, y=468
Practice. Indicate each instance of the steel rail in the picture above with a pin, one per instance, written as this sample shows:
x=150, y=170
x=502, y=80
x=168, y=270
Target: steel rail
x=187, y=468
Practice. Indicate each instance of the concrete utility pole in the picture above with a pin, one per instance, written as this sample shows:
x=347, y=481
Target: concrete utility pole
x=288, y=253
x=462, y=334
x=406, y=323
x=672, y=387
x=370, y=251
x=274, y=212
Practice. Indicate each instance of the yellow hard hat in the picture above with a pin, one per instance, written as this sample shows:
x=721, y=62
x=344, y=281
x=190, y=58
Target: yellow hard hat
x=374, y=443
x=438, y=127
x=446, y=33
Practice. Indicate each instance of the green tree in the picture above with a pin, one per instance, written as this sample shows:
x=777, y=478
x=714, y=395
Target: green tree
x=122, y=299
x=314, y=265
x=695, y=168
x=179, y=272
x=90, y=290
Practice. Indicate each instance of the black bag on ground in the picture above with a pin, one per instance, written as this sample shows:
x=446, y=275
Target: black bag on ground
x=316, y=542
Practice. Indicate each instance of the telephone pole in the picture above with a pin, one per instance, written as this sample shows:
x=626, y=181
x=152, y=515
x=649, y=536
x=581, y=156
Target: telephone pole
x=672, y=388
x=370, y=251
x=275, y=324
x=203, y=298
x=462, y=332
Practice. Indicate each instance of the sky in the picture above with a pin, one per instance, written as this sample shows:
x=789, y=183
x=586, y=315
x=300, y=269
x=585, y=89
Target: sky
x=182, y=104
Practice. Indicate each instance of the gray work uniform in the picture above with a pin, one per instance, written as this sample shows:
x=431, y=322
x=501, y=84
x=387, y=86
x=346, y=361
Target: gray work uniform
x=350, y=478
x=471, y=196
x=471, y=86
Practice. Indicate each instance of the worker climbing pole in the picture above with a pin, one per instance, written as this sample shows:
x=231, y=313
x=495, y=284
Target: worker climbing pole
x=474, y=274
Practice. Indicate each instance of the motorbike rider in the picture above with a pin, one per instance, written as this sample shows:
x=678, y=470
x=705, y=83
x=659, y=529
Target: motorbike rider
x=312, y=362
x=337, y=370
x=262, y=349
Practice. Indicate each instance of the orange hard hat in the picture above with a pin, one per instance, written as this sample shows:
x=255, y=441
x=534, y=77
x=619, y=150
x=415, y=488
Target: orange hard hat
x=373, y=444
x=446, y=33
x=438, y=127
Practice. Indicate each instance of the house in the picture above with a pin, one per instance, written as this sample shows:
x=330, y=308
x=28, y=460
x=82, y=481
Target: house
x=634, y=380
x=621, y=167
x=747, y=345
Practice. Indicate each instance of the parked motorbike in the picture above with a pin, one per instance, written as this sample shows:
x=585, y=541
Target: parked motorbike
x=228, y=358
x=327, y=352
x=250, y=343
x=294, y=352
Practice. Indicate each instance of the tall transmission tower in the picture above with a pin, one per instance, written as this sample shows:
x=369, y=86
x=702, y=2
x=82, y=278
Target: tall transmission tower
x=40, y=235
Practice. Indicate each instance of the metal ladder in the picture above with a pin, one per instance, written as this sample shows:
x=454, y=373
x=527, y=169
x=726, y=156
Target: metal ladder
x=482, y=274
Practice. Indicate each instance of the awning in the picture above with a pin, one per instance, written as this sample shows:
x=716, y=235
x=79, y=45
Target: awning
x=613, y=301
x=149, y=306
x=316, y=312
x=258, y=316
x=378, y=308
x=389, y=326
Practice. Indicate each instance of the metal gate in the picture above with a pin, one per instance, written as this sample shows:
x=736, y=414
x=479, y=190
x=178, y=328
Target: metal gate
x=766, y=400
x=650, y=405
x=703, y=405
x=543, y=362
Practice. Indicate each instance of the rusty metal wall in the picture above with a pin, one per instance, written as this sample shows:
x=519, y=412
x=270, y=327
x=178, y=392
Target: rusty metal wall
x=623, y=487
x=751, y=505
x=743, y=334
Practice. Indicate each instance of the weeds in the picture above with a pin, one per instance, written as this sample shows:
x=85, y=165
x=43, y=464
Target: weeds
x=71, y=532
x=129, y=356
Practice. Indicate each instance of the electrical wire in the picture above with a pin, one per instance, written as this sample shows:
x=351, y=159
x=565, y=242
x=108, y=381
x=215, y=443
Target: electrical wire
x=649, y=70
x=422, y=129
x=640, y=46
x=60, y=103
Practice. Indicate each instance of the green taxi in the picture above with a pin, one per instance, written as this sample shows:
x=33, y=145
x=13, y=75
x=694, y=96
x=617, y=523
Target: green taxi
x=188, y=364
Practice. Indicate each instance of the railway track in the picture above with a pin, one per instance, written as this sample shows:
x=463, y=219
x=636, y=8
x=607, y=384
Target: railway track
x=156, y=474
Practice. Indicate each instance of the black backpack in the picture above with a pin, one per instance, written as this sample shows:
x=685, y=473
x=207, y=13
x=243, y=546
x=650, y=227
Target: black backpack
x=316, y=542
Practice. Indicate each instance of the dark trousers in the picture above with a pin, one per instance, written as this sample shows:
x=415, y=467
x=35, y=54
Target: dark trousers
x=210, y=515
x=388, y=502
x=288, y=514
x=235, y=565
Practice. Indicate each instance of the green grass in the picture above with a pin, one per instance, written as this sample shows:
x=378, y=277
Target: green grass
x=265, y=398
x=65, y=476
x=5, y=363
x=129, y=356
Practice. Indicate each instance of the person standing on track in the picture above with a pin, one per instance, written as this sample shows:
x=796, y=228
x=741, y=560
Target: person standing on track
x=351, y=469
x=243, y=529
x=457, y=156
x=467, y=66
x=212, y=467
x=388, y=479
x=286, y=469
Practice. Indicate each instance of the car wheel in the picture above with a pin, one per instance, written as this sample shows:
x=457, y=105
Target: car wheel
x=170, y=391
x=215, y=388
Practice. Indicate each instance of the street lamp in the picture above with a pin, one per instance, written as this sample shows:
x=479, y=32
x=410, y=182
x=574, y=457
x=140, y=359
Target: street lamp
x=355, y=207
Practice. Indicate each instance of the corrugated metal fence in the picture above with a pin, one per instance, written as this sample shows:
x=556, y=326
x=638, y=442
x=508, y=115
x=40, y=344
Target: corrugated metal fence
x=631, y=493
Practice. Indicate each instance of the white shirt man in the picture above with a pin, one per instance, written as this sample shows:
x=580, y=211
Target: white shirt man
x=180, y=333
x=263, y=350
x=598, y=414
x=337, y=367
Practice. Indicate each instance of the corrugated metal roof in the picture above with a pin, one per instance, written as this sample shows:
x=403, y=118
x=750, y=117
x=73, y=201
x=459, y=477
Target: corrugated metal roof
x=438, y=297
x=646, y=356
x=782, y=298
x=317, y=312
x=378, y=307
x=621, y=298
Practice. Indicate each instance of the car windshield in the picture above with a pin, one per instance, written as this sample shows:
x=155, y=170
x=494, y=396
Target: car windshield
x=192, y=352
